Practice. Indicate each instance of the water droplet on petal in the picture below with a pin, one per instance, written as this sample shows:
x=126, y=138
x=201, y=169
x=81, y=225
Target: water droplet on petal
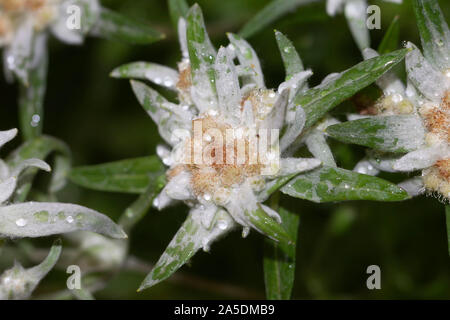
x=21, y=222
x=69, y=219
x=222, y=224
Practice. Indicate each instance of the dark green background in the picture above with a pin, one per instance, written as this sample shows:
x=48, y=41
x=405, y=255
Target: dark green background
x=101, y=121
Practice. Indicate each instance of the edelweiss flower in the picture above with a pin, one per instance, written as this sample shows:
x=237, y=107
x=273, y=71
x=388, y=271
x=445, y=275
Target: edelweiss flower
x=22, y=26
x=415, y=119
x=222, y=106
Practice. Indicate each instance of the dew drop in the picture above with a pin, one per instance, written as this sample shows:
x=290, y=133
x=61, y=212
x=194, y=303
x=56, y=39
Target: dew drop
x=168, y=83
x=157, y=80
x=207, y=196
x=69, y=219
x=156, y=203
x=11, y=62
x=222, y=224
x=287, y=49
x=21, y=222
x=35, y=119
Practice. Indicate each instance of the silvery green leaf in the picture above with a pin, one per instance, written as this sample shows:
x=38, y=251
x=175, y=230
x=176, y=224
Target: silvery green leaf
x=7, y=188
x=156, y=73
x=355, y=12
x=18, y=283
x=129, y=176
x=111, y=25
x=30, y=163
x=430, y=82
x=316, y=143
x=191, y=237
x=248, y=59
x=279, y=260
x=7, y=136
x=202, y=57
x=39, y=219
x=434, y=33
x=270, y=13
x=166, y=115
x=40, y=148
x=265, y=224
x=139, y=208
x=273, y=186
x=291, y=166
x=228, y=89
x=31, y=95
x=422, y=158
x=414, y=186
x=321, y=99
x=391, y=38
x=399, y=133
x=328, y=184
x=291, y=59
x=177, y=9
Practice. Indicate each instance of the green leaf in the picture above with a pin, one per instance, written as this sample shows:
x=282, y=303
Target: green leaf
x=111, y=25
x=400, y=133
x=265, y=224
x=434, y=32
x=329, y=184
x=391, y=38
x=271, y=12
x=39, y=219
x=177, y=9
x=31, y=96
x=447, y=218
x=188, y=240
x=291, y=59
x=202, y=56
x=128, y=176
x=279, y=260
x=134, y=213
x=321, y=99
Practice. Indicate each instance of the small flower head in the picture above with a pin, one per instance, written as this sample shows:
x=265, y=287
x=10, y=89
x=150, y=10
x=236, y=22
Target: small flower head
x=223, y=148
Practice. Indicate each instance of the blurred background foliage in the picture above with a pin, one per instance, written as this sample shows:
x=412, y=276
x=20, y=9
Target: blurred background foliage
x=101, y=121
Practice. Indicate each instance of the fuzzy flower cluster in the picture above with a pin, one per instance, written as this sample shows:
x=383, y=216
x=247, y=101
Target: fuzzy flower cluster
x=222, y=105
x=23, y=22
x=425, y=105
